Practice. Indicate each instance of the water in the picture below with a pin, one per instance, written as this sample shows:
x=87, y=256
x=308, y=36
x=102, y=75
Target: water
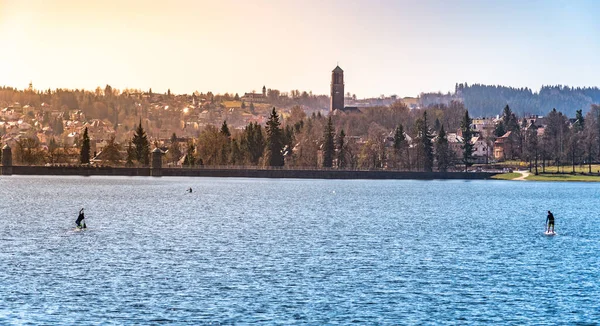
x=238, y=251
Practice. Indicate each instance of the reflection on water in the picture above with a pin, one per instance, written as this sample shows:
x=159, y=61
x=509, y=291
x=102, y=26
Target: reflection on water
x=296, y=251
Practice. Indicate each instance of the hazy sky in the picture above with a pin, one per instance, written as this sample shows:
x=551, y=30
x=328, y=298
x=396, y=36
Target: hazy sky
x=384, y=47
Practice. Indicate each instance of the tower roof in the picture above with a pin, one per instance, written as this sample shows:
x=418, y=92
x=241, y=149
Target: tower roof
x=337, y=69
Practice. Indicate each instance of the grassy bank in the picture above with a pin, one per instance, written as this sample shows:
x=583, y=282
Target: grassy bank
x=506, y=176
x=563, y=177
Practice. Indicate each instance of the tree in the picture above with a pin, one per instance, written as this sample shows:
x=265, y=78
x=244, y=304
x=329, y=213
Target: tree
x=212, y=146
x=84, y=155
x=532, y=147
x=174, y=152
x=579, y=121
x=424, y=144
x=467, y=134
x=400, y=144
x=130, y=154
x=190, y=160
x=341, y=150
x=555, y=135
x=328, y=144
x=28, y=151
x=274, y=141
x=253, y=143
x=443, y=152
x=590, y=137
x=236, y=156
x=225, y=130
x=112, y=151
x=142, y=145
x=574, y=146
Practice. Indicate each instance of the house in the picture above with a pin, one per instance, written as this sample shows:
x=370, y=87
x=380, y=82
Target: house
x=505, y=146
x=455, y=142
x=481, y=150
x=484, y=126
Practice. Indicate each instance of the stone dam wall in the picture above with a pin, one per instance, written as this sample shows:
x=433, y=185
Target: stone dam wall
x=239, y=173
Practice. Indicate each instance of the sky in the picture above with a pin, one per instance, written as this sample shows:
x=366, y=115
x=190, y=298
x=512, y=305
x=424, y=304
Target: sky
x=385, y=47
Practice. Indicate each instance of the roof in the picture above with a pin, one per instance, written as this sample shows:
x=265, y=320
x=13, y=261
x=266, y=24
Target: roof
x=337, y=69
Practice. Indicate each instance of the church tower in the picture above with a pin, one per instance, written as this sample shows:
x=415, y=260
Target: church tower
x=337, y=89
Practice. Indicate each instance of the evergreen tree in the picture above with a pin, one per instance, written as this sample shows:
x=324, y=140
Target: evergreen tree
x=499, y=130
x=111, y=151
x=130, y=154
x=142, y=145
x=400, y=144
x=274, y=140
x=328, y=144
x=174, y=152
x=341, y=150
x=225, y=130
x=190, y=160
x=437, y=125
x=467, y=134
x=579, y=121
x=253, y=142
x=58, y=126
x=424, y=144
x=236, y=157
x=84, y=155
x=443, y=151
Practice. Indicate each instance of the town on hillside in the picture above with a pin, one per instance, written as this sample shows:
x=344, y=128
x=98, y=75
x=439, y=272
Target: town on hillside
x=425, y=133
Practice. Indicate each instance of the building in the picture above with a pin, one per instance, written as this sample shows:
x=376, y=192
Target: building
x=504, y=146
x=337, y=89
x=256, y=97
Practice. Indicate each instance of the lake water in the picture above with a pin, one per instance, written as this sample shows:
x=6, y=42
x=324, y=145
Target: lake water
x=238, y=251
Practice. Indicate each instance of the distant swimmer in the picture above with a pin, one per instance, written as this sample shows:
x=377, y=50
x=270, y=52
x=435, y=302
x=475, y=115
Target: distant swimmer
x=189, y=190
x=550, y=222
x=81, y=220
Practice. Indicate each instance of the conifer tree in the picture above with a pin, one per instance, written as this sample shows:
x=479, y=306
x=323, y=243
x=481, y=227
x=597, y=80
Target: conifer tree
x=142, y=145
x=442, y=151
x=467, y=134
x=328, y=144
x=130, y=155
x=399, y=143
x=225, y=129
x=236, y=156
x=174, y=152
x=190, y=160
x=274, y=140
x=84, y=155
x=341, y=150
x=424, y=144
x=252, y=143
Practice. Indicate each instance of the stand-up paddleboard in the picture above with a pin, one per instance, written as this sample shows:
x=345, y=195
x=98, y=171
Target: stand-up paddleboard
x=549, y=233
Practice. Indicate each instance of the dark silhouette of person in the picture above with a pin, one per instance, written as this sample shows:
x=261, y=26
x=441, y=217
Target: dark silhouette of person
x=80, y=219
x=190, y=190
x=550, y=222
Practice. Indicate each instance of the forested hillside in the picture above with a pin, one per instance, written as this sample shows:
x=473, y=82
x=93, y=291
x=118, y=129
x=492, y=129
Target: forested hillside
x=488, y=100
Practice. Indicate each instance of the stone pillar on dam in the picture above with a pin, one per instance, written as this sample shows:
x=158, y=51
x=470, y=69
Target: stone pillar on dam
x=155, y=169
x=6, y=160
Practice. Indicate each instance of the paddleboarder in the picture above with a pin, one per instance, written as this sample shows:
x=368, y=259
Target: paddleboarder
x=81, y=220
x=550, y=222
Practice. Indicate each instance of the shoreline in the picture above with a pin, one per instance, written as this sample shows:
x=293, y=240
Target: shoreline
x=245, y=173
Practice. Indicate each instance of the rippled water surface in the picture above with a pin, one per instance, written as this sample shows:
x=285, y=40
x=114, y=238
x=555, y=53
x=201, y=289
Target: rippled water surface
x=239, y=251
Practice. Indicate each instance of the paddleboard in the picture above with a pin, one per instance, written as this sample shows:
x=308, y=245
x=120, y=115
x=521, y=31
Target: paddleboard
x=549, y=233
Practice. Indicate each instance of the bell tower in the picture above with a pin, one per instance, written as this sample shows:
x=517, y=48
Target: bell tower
x=337, y=89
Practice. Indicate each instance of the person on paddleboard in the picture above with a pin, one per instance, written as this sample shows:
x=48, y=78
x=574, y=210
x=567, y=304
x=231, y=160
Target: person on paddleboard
x=550, y=222
x=80, y=220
